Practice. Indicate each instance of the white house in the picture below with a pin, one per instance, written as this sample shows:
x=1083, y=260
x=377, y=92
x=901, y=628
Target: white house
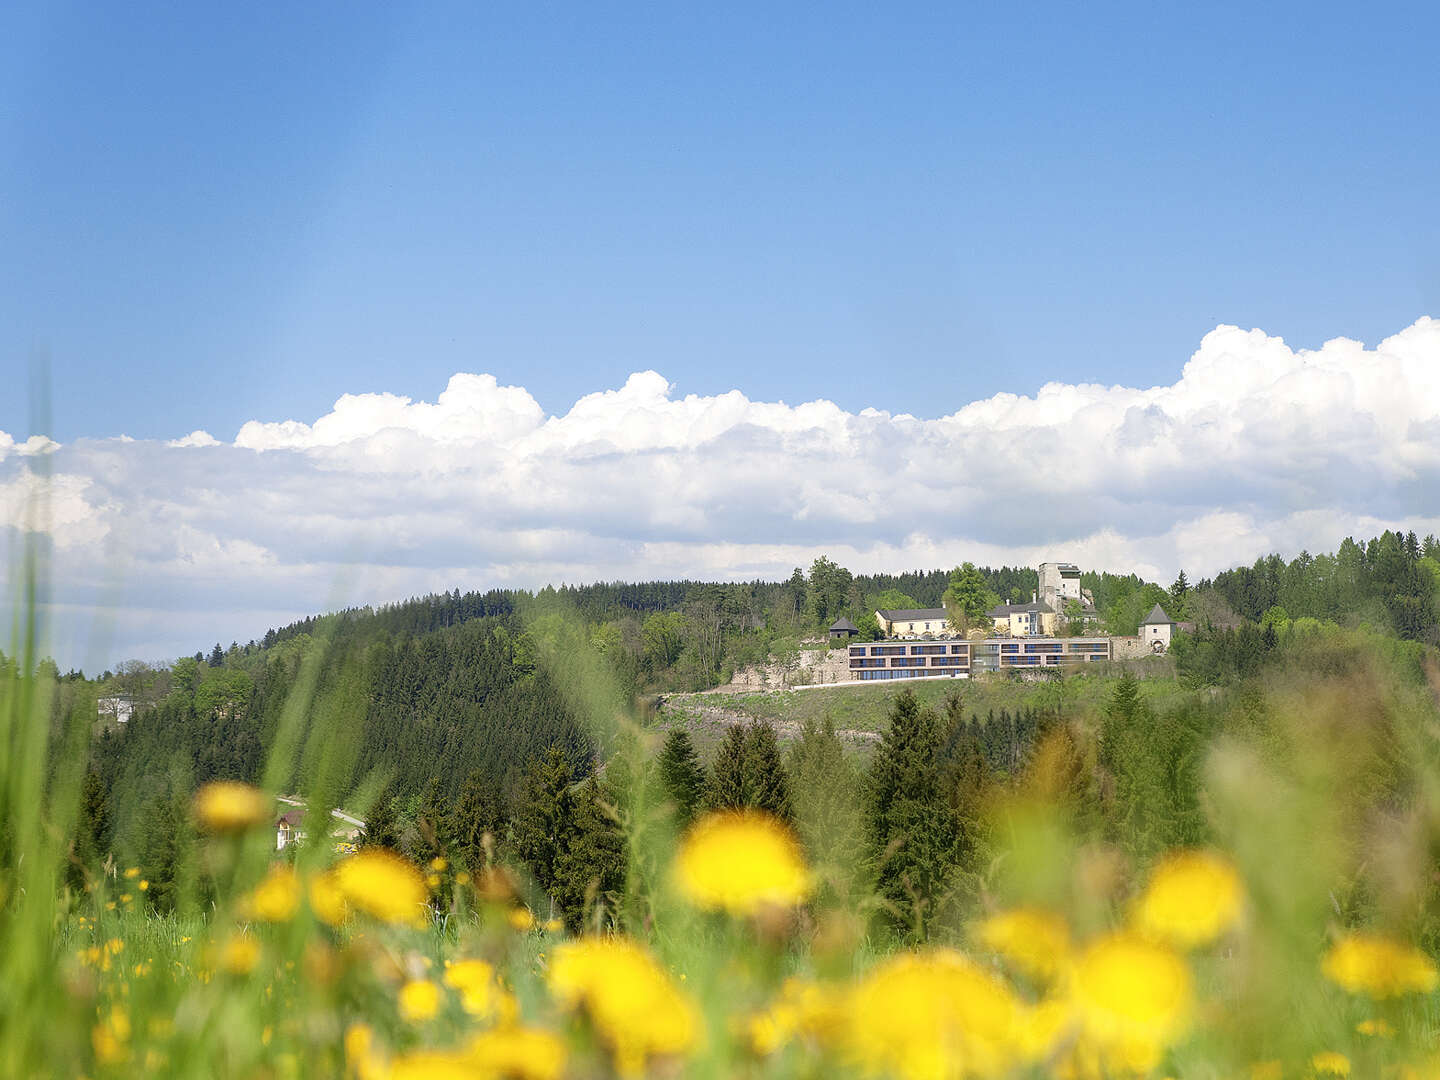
x=1155, y=631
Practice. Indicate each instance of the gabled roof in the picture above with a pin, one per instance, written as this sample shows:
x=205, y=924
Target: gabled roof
x=1039, y=607
x=1157, y=615
x=292, y=818
x=912, y=614
x=843, y=623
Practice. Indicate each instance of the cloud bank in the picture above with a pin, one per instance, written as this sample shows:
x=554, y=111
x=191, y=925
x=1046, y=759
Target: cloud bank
x=159, y=548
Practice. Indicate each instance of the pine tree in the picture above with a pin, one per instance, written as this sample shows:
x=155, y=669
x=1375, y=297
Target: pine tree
x=382, y=828
x=92, y=825
x=914, y=835
x=217, y=656
x=828, y=811
x=431, y=839
x=727, y=788
x=160, y=853
x=590, y=871
x=478, y=813
x=766, y=783
x=682, y=775
x=544, y=816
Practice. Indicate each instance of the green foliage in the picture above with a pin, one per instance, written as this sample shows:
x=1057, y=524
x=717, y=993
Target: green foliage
x=544, y=816
x=968, y=595
x=914, y=833
x=382, y=824
x=477, y=823
x=681, y=774
x=828, y=810
x=748, y=772
x=590, y=872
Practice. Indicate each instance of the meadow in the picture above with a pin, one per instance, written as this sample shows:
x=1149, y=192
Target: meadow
x=1168, y=881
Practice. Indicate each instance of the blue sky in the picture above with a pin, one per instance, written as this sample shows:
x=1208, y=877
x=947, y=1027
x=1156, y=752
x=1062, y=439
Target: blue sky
x=218, y=213
x=408, y=274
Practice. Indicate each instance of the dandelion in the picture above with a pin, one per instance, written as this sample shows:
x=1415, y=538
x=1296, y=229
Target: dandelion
x=635, y=1006
x=276, y=899
x=1134, y=999
x=520, y=918
x=228, y=806
x=518, y=1053
x=1381, y=1029
x=240, y=954
x=1330, y=1063
x=131, y=873
x=110, y=1037
x=803, y=1007
x=418, y=1001
x=475, y=982
x=1377, y=966
x=326, y=899
x=1035, y=942
x=383, y=885
x=553, y=926
x=741, y=862
x=1193, y=897
x=438, y=864
x=931, y=1015
x=144, y=885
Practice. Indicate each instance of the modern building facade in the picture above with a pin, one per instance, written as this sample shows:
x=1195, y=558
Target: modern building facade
x=878, y=660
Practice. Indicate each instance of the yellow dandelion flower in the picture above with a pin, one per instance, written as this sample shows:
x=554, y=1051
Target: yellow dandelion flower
x=110, y=1037
x=438, y=864
x=361, y=1055
x=1134, y=998
x=1193, y=897
x=475, y=982
x=520, y=918
x=1381, y=1029
x=1035, y=942
x=144, y=885
x=1377, y=966
x=226, y=806
x=462, y=878
x=326, y=899
x=802, y=1008
x=276, y=899
x=518, y=1053
x=432, y=881
x=418, y=1001
x=1330, y=1063
x=383, y=885
x=931, y=1015
x=741, y=862
x=553, y=926
x=132, y=872
x=634, y=1004
x=431, y=1065
x=240, y=954
x=1044, y=1027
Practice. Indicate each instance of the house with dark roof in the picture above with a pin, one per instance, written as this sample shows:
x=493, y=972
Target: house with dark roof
x=1036, y=618
x=1156, y=630
x=842, y=629
x=914, y=622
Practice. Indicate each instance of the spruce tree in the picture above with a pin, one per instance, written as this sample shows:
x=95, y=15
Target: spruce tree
x=727, y=788
x=914, y=834
x=544, y=816
x=431, y=839
x=590, y=871
x=682, y=775
x=478, y=813
x=382, y=827
x=766, y=783
x=91, y=826
x=827, y=808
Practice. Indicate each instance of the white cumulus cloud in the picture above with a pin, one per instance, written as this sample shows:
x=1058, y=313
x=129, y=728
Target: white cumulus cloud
x=1254, y=447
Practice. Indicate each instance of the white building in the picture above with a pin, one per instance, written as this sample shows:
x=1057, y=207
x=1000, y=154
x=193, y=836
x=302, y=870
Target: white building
x=1155, y=631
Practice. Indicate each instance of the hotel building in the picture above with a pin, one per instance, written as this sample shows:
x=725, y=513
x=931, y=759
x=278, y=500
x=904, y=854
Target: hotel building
x=912, y=659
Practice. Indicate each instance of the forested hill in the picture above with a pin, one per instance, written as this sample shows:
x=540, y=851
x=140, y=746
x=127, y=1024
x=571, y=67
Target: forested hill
x=440, y=688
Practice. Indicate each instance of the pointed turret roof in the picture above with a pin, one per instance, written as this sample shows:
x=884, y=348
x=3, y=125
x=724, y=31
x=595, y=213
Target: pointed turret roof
x=1157, y=615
